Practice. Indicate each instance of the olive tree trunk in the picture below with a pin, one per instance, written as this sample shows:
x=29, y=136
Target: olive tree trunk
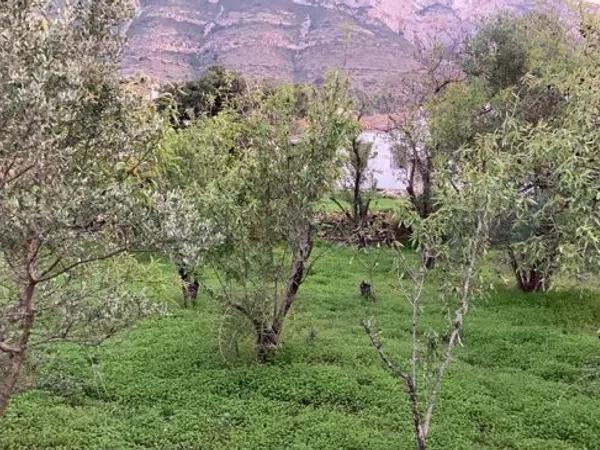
x=268, y=338
x=17, y=355
x=190, y=286
x=532, y=278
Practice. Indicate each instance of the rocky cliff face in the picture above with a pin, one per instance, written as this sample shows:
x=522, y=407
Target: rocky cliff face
x=297, y=40
x=278, y=39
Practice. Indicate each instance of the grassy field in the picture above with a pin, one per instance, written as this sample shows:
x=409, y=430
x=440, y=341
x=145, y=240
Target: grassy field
x=527, y=378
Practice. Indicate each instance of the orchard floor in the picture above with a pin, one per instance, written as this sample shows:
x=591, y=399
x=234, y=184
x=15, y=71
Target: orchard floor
x=528, y=377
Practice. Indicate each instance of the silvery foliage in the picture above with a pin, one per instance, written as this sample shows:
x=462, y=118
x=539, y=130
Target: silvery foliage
x=72, y=138
x=86, y=305
x=70, y=132
x=176, y=227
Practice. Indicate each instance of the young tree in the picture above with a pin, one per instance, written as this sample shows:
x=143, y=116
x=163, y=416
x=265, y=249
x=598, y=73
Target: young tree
x=177, y=225
x=191, y=161
x=435, y=71
x=458, y=230
x=182, y=165
x=357, y=178
x=71, y=140
x=279, y=166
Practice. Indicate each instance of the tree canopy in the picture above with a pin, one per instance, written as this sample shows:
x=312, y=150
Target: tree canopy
x=72, y=138
x=535, y=111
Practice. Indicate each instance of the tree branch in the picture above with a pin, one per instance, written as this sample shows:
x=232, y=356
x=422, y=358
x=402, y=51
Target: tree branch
x=8, y=349
x=378, y=345
x=457, y=324
x=339, y=205
x=50, y=276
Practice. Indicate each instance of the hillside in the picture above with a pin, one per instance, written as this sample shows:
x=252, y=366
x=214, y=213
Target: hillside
x=278, y=39
x=294, y=40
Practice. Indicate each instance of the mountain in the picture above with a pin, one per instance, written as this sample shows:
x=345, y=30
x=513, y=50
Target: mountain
x=296, y=40
x=274, y=39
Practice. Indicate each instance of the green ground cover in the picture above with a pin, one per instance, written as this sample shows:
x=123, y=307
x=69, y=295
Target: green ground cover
x=526, y=378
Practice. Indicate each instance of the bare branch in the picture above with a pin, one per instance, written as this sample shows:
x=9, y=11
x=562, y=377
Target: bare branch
x=378, y=345
x=339, y=205
x=457, y=324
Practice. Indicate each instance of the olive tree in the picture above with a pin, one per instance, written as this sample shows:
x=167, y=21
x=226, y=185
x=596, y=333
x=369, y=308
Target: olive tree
x=357, y=178
x=459, y=231
x=498, y=52
x=538, y=115
x=555, y=225
x=73, y=138
x=278, y=164
x=181, y=164
x=191, y=161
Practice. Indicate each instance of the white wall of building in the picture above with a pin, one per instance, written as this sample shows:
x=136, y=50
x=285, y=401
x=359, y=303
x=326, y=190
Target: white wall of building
x=388, y=176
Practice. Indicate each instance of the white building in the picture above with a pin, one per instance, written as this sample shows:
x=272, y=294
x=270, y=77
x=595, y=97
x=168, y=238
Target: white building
x=388, y=175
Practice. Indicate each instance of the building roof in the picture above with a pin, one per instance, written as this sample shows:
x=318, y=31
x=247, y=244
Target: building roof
x=380, y=122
